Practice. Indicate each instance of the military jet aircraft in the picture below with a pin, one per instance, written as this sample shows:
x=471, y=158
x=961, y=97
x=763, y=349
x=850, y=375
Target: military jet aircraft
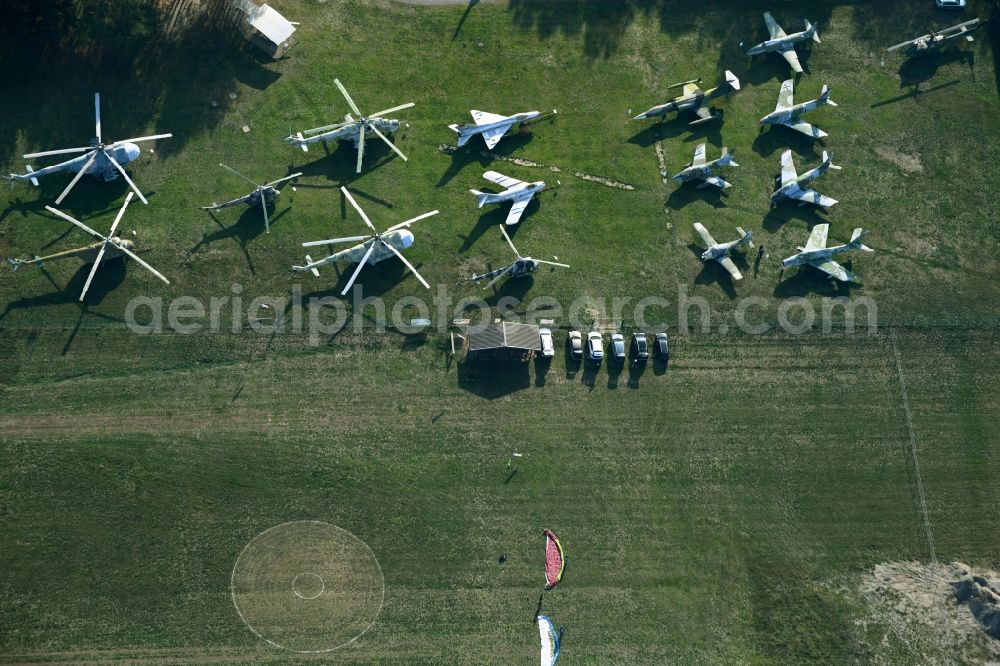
x=782, y=43
x=792, y=184
x=373, y=248
x=352, y=129
x=932, y=42
x=521, y=266
x=788, y=113
x=492, y=126
x=701, y=170
x=101, y=160
x=109, y=246
x=818, y=255
x=720, y=251
x=695, y=99
x=516, y=190
x=263, y=195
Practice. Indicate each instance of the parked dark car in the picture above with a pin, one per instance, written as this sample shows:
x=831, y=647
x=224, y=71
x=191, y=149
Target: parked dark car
x=640, y=350
x=661, y=347
x=575, y=341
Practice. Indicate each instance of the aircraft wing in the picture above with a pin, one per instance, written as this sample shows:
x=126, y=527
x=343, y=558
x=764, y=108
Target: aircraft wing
x=706, y=237
x=484, y=118
x=813, y=197
x=807, y=129
x=728, y=264
x=715, y=180
x=817, y=239
x=833, y=269
x=699, y=155
x=786, y=96
x=792, y=57
x=493, y=136
x=703, y=112
x=788, y=173
x=514, y=216
x=501, y=180
x=691, y=89
x=772, y=27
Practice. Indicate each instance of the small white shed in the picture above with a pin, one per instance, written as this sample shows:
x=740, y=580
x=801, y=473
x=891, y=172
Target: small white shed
x=269, y=31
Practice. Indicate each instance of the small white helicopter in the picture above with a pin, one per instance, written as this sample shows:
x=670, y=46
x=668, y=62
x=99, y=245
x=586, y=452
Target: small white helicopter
x=373, y=248
x=101, y=160
x=519, y=267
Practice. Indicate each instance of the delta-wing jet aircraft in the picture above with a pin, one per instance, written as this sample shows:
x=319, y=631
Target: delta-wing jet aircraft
x=515, y=190
x=788, y=113
x=701, y=170
x=818, y=255
x=782, y=43
x=720, y=251
x=492, y=126
x=694, y=99
x=792, y=185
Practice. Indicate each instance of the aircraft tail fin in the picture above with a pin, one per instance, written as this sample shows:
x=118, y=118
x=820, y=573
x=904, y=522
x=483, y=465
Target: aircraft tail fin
x=14, y=263
x=309, y=260
x=856, y=238
x=464, y=133
x=811, y=29
x=746, y=236
x=34, y=181
x=824, y=96
x=828, y=160
x=732, y=80
x=727, y=158
x=484, y=197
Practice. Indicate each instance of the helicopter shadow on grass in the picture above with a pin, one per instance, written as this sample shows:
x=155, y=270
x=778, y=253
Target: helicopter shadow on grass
x=915, y=71
x=771, y=139
x=915, y=93
x=808, y=280
x=712, y=272
x=689, y=191
x=496, y=218
x=510, y=287
x=475, y=151
x=340, y=164
x=249, y=226
x=787, y=210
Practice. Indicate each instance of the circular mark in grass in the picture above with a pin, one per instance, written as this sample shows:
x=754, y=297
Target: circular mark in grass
x=307, y=586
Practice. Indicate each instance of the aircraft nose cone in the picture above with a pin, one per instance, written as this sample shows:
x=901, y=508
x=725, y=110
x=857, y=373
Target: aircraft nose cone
x=406, y=238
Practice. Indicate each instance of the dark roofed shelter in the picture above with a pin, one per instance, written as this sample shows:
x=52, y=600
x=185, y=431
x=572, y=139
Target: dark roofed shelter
x=503, y=339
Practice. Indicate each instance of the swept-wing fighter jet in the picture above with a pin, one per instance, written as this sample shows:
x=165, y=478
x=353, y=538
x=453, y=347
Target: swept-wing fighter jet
x=263, y=195
x=788, y=113
x=782, y=43
x=818, y=255
x=695, y=99
x=720, y=251
x=701, y=170
x=491, y=125
x=375, y=247
x=930, y=43
x=516, y=190
x=792, y=184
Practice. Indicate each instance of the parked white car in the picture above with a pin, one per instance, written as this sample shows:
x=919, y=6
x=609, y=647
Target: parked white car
x=548, y=350
x=595, y=346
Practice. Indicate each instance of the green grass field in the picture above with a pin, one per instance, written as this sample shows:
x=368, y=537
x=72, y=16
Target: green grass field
x=722, y=510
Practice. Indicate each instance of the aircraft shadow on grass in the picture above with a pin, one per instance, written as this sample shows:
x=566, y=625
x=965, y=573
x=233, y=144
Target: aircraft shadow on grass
x=915, y=93
x=780, y=138
x=249, y=226
x=339, y=165
x=915, y=71
x=712, y=272
x=473, y=152
x=802, y=280
x=687, y=192
x=493, y=218
x=675, y=125
x=785, y=211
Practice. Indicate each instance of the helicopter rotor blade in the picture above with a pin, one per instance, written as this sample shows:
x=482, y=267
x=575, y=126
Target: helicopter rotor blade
x=499, y=275
x=263, y=207
x=142, y=263
x=93, y=269
x=381, y=113
x=78, y=223
x=281, y=180
x=125, y=176
x=350, y=102
x=63, y=151
x=324, y=128
x=407, y=264
x=357, y=271
x=97, y=121
x=348, y=239
x=141, y=138
x=237, y=174
x=509, y=241
x=358, y=208
x=77, y=177
x=551, y=263
x=411, y=221
x=361, y=145
x=388, y=143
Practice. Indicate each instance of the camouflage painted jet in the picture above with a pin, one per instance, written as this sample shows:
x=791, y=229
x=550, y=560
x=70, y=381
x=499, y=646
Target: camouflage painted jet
x=701, y=170
x=784, y=44
x=931, y=43
x=818, y=255
x=787, y=112
x=792, y=184
x=720, y=251
x=694, y=99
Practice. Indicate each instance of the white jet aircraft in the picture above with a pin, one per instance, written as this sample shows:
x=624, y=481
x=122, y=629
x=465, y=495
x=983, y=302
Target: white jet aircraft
x=784, y=44
x=792, y=184
x=720, y=251
x=788, y=113
x=818, y=255
x=491, y=125
x=516, y=190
